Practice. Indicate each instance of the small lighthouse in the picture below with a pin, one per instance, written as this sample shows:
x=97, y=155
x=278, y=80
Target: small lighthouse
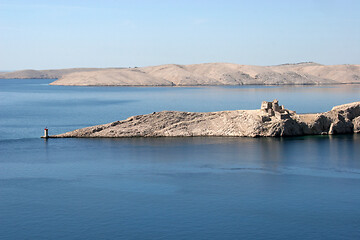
x=46, y=133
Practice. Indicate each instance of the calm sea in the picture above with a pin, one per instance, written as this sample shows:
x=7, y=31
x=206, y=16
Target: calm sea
x=171, y=188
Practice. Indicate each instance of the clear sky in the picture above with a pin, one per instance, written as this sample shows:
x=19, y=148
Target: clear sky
x=107, y=33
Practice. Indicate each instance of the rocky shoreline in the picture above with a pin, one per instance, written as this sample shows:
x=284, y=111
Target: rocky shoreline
x=272, y=120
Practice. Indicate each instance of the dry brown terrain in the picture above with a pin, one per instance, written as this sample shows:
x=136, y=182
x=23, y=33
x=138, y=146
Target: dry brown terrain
x=44, y=74
x=199, y=74
x=216, y=74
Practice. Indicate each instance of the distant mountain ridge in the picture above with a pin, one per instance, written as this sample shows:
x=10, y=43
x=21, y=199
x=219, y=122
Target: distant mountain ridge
x=307, y=73
x=44, y=74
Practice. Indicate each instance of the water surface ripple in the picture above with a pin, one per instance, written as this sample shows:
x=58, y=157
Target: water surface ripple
x=171, y=188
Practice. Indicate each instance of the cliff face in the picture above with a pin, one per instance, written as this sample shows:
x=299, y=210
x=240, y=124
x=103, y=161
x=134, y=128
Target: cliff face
x=270, y=121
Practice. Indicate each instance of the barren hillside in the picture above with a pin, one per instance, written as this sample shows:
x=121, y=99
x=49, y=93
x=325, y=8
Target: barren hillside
x=199, y=74
x=216, y=74
x=43, y=74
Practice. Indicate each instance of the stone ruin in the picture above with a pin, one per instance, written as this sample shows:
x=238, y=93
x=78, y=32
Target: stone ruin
x=274, y=109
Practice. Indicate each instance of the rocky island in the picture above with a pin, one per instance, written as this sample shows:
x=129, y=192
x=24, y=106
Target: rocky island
x=272, y=120
x=205, y=74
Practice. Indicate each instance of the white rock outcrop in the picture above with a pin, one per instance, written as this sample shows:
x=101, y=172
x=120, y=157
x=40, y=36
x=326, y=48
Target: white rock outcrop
x=271, y=120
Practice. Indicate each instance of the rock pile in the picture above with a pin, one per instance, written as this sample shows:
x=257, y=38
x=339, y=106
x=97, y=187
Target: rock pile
x=274, y=109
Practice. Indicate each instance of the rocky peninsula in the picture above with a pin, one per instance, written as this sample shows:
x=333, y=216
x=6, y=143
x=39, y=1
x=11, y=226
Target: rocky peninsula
x=272, y=120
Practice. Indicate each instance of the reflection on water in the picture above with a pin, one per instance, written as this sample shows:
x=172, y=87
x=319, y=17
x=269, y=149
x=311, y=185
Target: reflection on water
x=334, y=155
x=203, y=188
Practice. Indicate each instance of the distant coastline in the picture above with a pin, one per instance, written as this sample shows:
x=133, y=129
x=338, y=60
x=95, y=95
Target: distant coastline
x=206, y=74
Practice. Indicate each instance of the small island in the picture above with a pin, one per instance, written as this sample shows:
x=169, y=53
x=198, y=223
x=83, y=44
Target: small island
x=271, y=120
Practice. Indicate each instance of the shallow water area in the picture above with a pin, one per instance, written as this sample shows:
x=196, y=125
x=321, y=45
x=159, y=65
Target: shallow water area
x=171, y=188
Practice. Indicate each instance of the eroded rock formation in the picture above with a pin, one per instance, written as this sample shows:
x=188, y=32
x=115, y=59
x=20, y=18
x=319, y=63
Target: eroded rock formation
x=272, y=120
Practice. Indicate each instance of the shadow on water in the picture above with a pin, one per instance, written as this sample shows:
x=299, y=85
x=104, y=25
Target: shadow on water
x=277, y=155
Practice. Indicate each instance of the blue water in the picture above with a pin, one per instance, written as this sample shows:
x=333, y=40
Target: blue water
x=171, y=188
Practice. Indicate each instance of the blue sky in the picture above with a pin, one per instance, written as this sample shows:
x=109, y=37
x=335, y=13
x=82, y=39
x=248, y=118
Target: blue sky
x=108, y=33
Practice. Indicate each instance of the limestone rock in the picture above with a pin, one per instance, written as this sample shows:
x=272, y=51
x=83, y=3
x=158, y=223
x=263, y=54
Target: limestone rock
x=239, y=123
x=356, y=123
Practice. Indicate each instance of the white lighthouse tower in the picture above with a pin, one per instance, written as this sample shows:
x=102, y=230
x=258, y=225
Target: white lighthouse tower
x=46, y=133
